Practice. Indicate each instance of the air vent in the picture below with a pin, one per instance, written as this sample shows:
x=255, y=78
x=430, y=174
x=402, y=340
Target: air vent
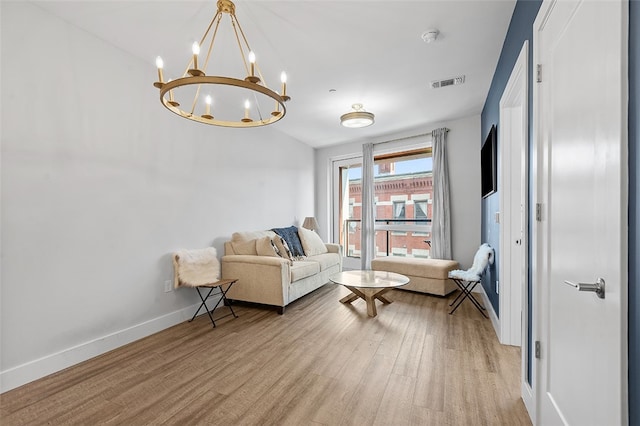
x=448, y=82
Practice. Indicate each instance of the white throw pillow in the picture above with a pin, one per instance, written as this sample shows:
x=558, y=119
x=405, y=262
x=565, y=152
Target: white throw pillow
x=311, y=242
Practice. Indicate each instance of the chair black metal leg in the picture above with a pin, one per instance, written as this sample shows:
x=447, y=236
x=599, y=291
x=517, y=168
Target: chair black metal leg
x=466, y=294
x=461, y=286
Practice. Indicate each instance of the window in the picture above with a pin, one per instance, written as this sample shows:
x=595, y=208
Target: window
x=403, y=190
x=399, y=210
x=420, y=209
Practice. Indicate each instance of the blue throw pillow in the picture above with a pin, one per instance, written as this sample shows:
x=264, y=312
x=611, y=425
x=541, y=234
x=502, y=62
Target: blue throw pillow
x=290, y=235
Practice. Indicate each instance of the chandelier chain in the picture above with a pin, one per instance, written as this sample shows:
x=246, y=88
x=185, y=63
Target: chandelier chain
x=235, y=30
x=213, y=39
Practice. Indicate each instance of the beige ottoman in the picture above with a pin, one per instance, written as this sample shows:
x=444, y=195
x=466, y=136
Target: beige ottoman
x=426, y=275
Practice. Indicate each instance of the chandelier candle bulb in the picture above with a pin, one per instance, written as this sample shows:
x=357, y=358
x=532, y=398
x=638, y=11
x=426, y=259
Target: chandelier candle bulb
x=252, y=61
x=246, y=118
x=160, y=81
x=160, y=65
x=171, y=101
x=283, y=79
x=207, y=113
x=196, y=51
x=252, y=69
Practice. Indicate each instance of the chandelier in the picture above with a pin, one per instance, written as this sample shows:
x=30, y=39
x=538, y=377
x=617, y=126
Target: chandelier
x=218, y=100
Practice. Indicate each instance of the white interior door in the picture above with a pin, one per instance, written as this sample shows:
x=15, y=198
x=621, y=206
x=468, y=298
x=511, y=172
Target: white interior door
x=581, y=183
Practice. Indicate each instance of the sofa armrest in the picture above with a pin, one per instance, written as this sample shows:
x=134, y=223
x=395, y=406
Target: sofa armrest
x=261, y=279
x=334, y=248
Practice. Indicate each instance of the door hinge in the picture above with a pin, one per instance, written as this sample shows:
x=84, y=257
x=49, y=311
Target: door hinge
x=539, y=212
x=539, y=73
x=537, y=349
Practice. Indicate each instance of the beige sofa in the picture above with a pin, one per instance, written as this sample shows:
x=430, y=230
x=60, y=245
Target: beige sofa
x=270, y=279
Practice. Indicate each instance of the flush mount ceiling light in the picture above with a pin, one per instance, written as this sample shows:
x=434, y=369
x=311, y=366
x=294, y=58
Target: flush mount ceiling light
x=357, y=118
x=218, y=100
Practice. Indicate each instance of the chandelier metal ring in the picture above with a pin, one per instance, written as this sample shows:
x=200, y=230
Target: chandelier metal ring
x=226, y=81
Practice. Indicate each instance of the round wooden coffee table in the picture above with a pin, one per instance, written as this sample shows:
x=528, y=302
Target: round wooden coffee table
x=368, y=285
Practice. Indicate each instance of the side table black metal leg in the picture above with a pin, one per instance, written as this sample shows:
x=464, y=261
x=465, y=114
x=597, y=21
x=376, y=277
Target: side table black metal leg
x=222, y=292
x=205, y=305
x=226, y=301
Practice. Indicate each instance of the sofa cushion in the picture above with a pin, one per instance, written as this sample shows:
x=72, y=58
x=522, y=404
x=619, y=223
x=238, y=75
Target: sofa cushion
x=244, y=247
x=290, y=235
x=303, y=269
x=266, y=247
x=326, y=260
x=311, y=242
x=428, y=268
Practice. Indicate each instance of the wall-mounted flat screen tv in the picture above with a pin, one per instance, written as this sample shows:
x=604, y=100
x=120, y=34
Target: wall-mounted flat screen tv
x=489, y=163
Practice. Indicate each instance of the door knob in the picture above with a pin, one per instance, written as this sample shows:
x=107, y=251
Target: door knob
x=598, y=287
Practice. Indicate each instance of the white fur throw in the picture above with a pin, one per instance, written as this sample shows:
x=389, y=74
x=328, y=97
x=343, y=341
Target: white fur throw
x=483, y=257
x=195, y=267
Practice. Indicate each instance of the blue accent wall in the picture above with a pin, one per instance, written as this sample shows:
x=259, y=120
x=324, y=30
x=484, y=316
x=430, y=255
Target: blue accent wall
x=634, y=197
x=520, y=29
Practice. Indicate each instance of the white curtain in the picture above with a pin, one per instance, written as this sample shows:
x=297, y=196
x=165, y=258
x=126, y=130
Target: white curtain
x=367, y=233
x=441, y=224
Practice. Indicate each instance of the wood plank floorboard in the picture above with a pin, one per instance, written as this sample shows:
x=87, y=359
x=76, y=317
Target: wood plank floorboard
x=321, y=363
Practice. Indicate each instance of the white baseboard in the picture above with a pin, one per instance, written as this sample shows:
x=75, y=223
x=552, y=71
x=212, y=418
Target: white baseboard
x=36, y=369
x=492, y=314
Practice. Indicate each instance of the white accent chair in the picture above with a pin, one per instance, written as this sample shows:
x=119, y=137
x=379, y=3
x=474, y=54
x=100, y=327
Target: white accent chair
x=468, y=279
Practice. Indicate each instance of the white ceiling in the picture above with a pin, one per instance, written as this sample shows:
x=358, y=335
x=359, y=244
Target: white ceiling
x=368, y=52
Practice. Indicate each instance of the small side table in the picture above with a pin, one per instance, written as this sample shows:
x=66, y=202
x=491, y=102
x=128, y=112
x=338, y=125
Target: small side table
x=221, y=292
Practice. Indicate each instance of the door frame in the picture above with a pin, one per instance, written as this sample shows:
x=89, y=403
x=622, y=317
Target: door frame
x=514, y=304
x=514, y=100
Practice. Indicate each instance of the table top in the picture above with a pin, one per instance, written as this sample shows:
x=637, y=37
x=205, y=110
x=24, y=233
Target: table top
x=369, y=279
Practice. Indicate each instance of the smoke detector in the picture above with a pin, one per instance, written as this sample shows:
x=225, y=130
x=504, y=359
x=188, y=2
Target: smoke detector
x=430, y=35
x=448, y=82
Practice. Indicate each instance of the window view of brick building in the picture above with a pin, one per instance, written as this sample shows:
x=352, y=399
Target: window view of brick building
x=403, y=198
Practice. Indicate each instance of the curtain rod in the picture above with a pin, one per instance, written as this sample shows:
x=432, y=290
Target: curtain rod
x=408, y=137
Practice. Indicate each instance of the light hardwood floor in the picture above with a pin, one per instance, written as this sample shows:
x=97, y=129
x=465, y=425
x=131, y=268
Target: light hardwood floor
x=322, y=363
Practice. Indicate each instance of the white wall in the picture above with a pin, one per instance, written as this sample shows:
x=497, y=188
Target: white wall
x=464, y=176
x=100, y=183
